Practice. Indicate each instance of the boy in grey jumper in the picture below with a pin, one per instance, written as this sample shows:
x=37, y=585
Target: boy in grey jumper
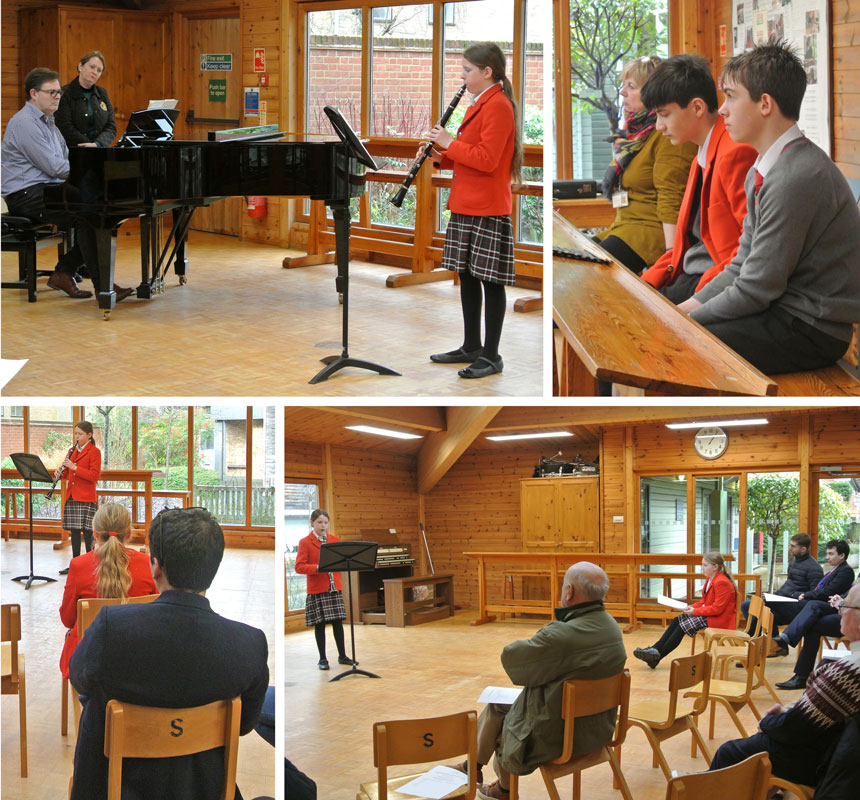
x=788, y=299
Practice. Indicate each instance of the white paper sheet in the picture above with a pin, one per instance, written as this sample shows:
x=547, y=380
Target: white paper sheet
x=834, y=655
x=9, y=369
x=436, y=783
x=668, y=601
x=778, y=598
x=500, y=694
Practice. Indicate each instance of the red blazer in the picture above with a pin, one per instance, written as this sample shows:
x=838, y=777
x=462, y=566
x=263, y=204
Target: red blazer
x=724, y=206
x=718, y=604
x=481, y=157
x=81, y=584
x=307, y=560
x=81, y=483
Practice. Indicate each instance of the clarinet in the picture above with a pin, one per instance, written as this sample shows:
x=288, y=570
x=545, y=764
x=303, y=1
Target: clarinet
x=50, y=493
x=398, y=198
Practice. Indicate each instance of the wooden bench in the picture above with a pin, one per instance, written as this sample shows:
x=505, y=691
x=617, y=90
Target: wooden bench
x=840, y=380
x=24, y=236
x=401, y=610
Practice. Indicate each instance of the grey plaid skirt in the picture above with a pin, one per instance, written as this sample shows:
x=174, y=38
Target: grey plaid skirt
x=481, y=246
x=692, y=625
x=78, y=516
x=324, y=607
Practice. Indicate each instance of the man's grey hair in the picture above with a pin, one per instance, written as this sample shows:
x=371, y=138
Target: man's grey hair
x=589, y=580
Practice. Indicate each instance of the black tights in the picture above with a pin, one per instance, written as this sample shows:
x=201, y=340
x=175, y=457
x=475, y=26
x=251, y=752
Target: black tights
x=76, y=541
x=337, y=630
x=671, y=638
x=471, y=297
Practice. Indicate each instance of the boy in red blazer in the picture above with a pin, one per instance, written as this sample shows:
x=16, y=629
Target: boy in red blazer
x=712, y=213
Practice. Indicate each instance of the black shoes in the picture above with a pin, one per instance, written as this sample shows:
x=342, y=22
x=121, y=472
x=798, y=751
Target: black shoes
x=779, y=647
x=458, y=356
x=64, y=571
x=650, y=655
x=794, y=682
x=323, y=663
x=482, y=366
x=347, y=661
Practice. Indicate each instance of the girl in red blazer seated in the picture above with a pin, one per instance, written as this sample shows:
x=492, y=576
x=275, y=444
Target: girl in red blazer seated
x=110, y=570
x=479, y=243
x=716, y=609
x=324, y=603
x=81, y=469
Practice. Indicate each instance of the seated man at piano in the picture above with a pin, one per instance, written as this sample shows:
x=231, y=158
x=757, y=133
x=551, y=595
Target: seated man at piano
x=788, y=299
x=34, y=155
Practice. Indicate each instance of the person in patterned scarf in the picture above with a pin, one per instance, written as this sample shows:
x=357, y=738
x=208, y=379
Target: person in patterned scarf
x=798, y=738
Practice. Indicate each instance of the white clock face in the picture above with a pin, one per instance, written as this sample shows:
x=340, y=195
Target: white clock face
x=711, y=442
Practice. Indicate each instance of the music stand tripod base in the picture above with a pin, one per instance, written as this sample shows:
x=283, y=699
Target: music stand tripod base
x=353, y=671
x=334, y=363
x=31, y=578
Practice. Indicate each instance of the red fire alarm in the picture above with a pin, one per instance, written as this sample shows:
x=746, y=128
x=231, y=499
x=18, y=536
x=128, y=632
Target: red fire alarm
x=264, y=79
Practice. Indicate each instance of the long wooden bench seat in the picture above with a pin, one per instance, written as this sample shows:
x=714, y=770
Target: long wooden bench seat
x=833, y=381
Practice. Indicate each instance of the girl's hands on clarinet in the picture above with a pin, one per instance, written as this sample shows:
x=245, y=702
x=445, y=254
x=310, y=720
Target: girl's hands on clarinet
x=440, y=137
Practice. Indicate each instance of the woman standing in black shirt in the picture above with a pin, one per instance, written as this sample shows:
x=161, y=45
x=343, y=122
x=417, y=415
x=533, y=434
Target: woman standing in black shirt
x=85, y=116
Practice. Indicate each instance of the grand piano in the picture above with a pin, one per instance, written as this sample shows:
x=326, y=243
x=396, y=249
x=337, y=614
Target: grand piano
x=112, y=185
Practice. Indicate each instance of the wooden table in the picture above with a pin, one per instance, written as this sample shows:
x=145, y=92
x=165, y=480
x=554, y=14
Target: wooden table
x=619, y=329
x=400, y=612
x=555, y=564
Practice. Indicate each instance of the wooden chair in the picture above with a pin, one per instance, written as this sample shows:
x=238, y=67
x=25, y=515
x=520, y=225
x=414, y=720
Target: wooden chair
x=142, y=732
x=748, y=780
x=583, y=698
x=88, y=608
x=734, y=695
x=13, y=681
x=662, y=719
x=416, y=741
x=797, y=789
x=719, y=635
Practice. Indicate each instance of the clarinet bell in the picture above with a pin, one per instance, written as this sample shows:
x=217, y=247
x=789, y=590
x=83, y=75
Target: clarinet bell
x=397, y=199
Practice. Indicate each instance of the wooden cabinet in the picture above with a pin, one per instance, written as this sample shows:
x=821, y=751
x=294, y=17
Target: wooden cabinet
x=135, y=45
x=558, y=514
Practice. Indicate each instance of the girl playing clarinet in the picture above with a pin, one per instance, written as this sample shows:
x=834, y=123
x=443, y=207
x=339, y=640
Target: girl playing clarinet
x=479, y=243
x=81, y=468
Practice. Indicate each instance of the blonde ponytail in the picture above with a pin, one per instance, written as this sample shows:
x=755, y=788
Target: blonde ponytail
x=111, y=527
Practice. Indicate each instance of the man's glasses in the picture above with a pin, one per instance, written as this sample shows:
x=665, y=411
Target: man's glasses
x=840, y=607
x=53, y=92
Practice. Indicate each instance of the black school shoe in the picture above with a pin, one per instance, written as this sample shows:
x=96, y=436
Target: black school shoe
x=323, y=663
x=458, y=356
x=347, y=661
x=482, y=367
x=794, y=682
x=650, y=655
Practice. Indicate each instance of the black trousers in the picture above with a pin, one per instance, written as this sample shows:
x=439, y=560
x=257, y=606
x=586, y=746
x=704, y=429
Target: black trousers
x=828, y=625
x=795, y=763
x=671, y=638
x=30, y=202
x=775, y=341
x=623, y=252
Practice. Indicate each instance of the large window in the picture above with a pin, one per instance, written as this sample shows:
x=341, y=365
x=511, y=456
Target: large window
x=773, y=501
x=839, y=514
x=300, y=499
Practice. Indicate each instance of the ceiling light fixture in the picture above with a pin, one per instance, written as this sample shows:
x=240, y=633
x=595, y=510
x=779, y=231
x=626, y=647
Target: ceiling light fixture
x=722, y=423
x=546, y=435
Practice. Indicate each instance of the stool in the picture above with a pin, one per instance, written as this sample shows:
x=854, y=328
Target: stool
x=25, y=236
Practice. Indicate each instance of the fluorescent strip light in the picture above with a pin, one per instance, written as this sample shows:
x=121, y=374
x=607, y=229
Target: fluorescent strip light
x=510, y=437
x=383, y=432
x=724, y=423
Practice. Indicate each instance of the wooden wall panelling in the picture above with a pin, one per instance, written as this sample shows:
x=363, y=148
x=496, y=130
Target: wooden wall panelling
x=303, y=459
x=613, y=484
x=845, y=78
x=835, y=437
x=803, y=452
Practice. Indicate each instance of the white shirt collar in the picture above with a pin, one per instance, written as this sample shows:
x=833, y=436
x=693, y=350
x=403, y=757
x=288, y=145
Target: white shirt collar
x=703, y=150
x=765, y=161
x=476, y=97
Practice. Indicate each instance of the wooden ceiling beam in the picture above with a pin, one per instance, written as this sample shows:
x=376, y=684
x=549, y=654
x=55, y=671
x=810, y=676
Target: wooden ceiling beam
x=423, y=418
x=441, y=450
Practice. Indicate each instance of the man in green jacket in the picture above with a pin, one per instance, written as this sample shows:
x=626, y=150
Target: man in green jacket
x=582, y=642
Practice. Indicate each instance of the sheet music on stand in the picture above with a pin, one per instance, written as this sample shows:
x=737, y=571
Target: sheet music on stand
x=570, y=242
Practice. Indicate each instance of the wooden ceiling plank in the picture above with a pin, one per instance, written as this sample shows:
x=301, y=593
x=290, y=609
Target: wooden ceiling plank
x=422, y=418
x=441, y=450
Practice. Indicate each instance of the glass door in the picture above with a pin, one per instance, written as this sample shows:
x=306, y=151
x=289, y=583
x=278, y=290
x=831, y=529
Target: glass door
x=300, y=498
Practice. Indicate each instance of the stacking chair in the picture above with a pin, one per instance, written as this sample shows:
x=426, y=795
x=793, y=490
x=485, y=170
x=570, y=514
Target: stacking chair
x=748, y=780
x=88, y=608
x=13, y=670
x=734, y=695
x=662, y=719
x=719, y=635
x=416, y=741
x=582, y=698
x=143, y=732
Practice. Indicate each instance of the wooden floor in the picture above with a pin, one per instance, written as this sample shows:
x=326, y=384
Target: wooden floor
x=243, y=589
x=440, y=668
x=244, y=326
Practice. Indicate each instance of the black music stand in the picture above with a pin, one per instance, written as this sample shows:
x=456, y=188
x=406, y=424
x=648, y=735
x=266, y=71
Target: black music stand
x=340, y=212
x=349, y=556
x=31, y=468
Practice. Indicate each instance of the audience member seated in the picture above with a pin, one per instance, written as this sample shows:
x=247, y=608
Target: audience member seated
x=172, y=653
x=817, y=619
x=798, y=739
x=716, y=609
x=842, y=776
x=836, y=582
x=645, y=180
x=804, y=573
x=683, y=93
x=582, y=642
x=789, y=297
x=109, y=570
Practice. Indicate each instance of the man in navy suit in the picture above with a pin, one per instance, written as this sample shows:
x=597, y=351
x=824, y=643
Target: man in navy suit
x=173, y=653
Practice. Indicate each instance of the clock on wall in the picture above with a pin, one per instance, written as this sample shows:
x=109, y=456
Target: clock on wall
x=711, y=442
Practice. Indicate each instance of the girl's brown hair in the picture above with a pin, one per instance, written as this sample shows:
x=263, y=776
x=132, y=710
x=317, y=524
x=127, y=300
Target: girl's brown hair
x=319, y=512
x=86, y=427
x=719, y=562
x=489, y=54
x=113, y=578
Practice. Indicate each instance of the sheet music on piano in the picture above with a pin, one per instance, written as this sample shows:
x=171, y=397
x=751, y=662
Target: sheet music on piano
x=570, y=242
